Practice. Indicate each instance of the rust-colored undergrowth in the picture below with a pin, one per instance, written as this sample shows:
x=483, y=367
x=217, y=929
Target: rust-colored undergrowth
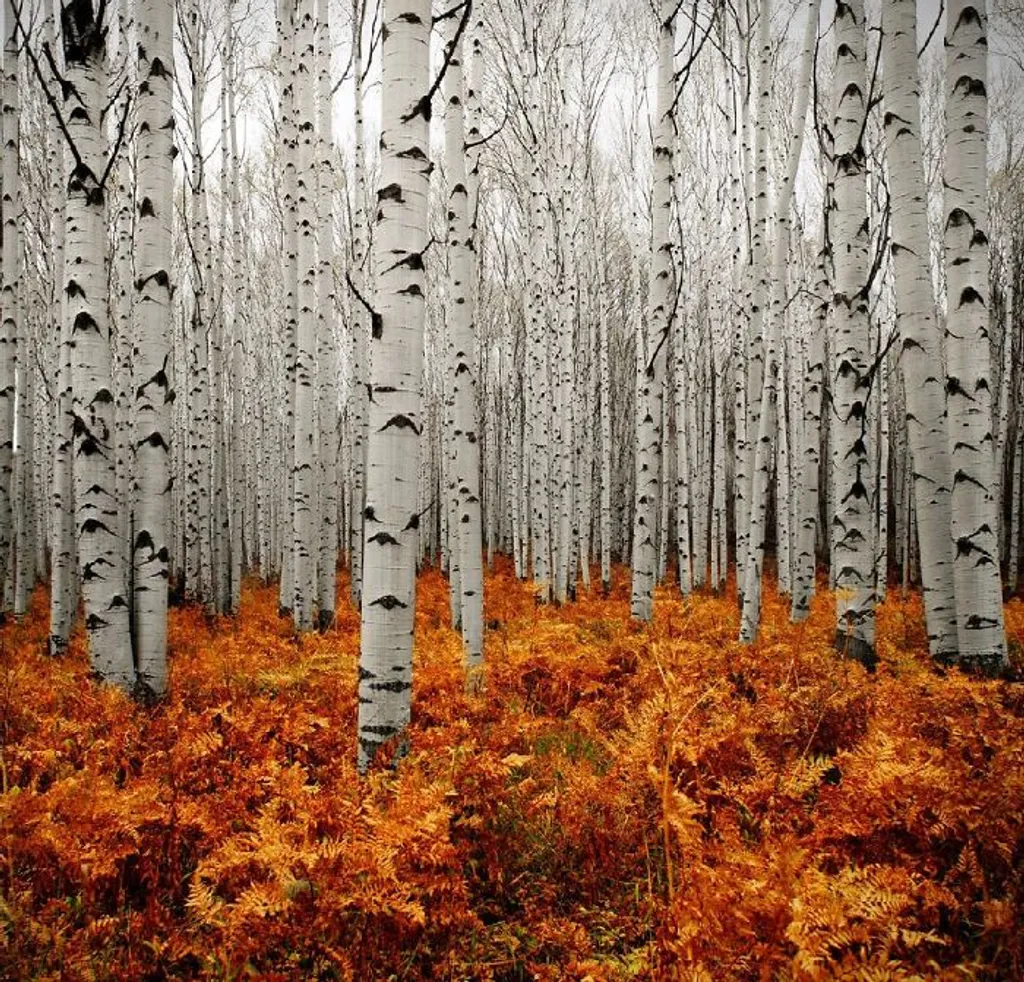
x=620, y=802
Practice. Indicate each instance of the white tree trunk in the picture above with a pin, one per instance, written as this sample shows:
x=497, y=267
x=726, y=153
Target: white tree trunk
x=63, y=584
x=241, y=488
x=851, y=378
x=767, y=400
x=396, y=421
x=305, y=446
x=289, y=139
x=99, y=551
x=921, y=341
x=975, y=521
x=326, y=352
x=606, y=443
x=652, y=354
x=152, y=332
x=461, y=312
x=682, y=408
x=360, y=374
x=9, y=296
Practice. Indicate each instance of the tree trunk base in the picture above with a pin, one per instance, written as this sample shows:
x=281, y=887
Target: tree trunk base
x=856, y=649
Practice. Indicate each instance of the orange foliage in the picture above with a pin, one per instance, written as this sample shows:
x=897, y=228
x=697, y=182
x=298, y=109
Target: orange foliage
x=619, y=803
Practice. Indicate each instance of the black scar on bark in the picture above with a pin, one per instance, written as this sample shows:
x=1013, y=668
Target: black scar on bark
x=384, y=539
x=970, y=295
x=380, y=729
x=85, y=322
x=400, y=421
x=388, y=602
x=395, y=685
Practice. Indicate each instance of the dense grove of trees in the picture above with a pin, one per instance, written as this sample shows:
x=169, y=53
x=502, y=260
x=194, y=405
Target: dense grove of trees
x=511, y=489
x=688, y=286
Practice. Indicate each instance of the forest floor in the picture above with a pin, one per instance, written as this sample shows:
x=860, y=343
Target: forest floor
x=620, y=802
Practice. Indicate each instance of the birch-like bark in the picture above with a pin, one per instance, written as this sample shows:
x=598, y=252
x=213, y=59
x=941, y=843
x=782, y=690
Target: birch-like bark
x=920, y=338
x=683, y=548
x=9, y=295
x=326, y=353
x=396, y=421
x=152, y=311
x=606, y=442
x=460, y=317
x=303, y=470
x=751, y=537
x=239, y=432
x=767, y=400
x=975, y=521
x=851, y=378
x=810, y=452
x=99, y=551
x=358, y=399
x=1013, y=560
x=287, y=68
x=651, y=360
x=63, y=584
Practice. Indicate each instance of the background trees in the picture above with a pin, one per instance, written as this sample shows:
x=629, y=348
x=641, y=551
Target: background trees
x=630, y=275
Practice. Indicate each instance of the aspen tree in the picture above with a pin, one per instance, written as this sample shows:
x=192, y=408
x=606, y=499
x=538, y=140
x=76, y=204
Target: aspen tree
x=99, y=552
x=287, y=70
x=975, y=521
x=651, y=360
x=768, y=422
x=684, y=550
x=461, y=314
x=63, y=587
x=921, y=341
x=304, y=476
x=9, y=317
x=539, y=402
x=810, y=450
x=754, y=351
x=152, y=309
x=327, y=534
x=358, y=399
x=852, y=559
x=606, y=441
x=237, y=289
x=396, y=419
